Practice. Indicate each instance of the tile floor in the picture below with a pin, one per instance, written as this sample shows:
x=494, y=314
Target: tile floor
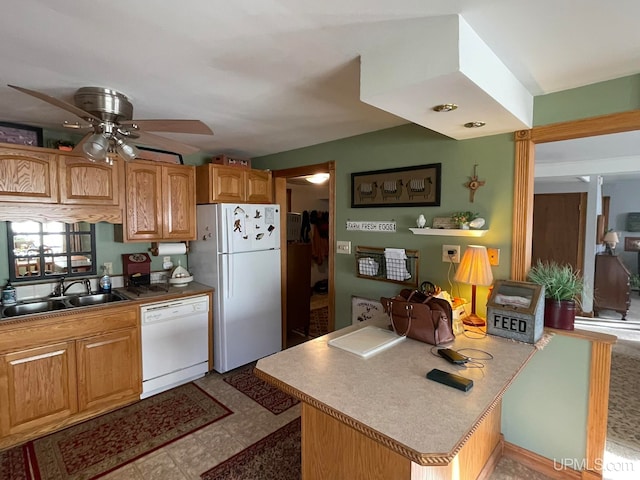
x=187, y=458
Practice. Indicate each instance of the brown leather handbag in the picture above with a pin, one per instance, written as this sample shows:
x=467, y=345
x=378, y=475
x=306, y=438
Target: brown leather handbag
x=421, y=317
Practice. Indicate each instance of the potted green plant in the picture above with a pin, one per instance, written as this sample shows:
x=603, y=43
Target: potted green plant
x=563, y=287
x=462, y=219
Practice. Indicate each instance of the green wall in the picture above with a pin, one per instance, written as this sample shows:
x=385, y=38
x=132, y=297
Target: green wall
x=550, y=396
x=404, y=146
x=536, y=413
x=613, y=96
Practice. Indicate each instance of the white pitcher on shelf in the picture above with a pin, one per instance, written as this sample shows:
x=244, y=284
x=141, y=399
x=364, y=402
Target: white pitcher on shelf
x=421, y=222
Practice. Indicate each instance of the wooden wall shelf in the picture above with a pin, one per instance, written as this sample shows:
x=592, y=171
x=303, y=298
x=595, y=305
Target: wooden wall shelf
x=449, y=232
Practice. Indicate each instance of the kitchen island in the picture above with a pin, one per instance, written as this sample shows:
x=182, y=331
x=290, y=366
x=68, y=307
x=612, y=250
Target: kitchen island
x=380, y=418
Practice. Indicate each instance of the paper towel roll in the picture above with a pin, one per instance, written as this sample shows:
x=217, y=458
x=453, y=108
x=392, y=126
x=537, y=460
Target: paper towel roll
x=172, y=249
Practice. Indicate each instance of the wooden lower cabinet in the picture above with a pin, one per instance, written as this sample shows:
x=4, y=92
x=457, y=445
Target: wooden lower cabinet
x=64, y=369
x=108, y=368
x=37, y=387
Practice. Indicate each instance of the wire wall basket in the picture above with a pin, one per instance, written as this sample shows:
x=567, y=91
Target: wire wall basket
x=388, y=264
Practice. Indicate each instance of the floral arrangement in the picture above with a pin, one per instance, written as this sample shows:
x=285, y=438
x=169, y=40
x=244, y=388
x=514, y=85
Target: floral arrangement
x=463, y=217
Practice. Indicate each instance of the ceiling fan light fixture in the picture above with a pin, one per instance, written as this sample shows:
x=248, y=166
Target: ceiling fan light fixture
x=96, y=147
x=318, y=178
x=125, y=150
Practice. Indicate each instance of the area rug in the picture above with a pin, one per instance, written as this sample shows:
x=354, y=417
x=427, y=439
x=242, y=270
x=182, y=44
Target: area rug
x=623, y=426
x=263, y=393
x=95, y=447
x=277, y=456
x=319, y=322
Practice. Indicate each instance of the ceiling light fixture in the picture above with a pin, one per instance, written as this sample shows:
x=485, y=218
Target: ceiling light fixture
x=104, y=144
x=474, y=124
x=96, y=147
x=126, y=151
x=445, y=107
x=318, y=178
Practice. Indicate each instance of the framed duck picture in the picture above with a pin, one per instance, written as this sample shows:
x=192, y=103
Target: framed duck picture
x=397, y=187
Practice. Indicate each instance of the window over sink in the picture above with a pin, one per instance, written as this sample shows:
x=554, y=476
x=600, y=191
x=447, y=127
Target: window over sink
x=50, y=250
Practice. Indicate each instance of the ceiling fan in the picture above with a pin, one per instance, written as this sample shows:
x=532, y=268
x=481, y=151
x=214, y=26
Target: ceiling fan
x=109, y=114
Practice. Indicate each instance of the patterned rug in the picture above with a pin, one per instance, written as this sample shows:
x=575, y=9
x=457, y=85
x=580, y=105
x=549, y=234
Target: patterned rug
x=268, y=396
x=624, y=401
x=276, y=456
x=319, y=322
x=95, y=447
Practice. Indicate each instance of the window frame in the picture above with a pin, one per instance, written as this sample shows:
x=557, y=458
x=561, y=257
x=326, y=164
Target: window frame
x=41, y=256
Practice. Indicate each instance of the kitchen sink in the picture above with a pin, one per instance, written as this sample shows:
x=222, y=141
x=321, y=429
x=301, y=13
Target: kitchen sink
x=33, y=307
x=45, y=305
x=94, y=299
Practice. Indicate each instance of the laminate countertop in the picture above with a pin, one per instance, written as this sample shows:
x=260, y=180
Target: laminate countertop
x=387, y=396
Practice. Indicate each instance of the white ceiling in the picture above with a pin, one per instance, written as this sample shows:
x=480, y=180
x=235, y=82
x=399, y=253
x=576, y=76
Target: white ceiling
x=614, y=157
x=273, y=75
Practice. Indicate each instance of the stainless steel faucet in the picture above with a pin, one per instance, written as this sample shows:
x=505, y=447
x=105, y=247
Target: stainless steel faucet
x=60, y=288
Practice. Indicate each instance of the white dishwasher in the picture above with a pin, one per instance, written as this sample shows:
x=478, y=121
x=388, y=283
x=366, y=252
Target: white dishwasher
x=175, y=343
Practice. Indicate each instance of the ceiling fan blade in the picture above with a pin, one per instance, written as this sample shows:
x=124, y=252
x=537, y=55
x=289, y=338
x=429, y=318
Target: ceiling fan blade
x=152, y=140
x=58, y=103
x=176, y=126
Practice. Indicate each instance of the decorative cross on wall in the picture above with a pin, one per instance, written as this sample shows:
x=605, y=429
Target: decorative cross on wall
x=473, y=184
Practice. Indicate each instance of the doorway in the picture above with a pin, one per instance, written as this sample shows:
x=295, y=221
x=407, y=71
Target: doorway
x=290, y=288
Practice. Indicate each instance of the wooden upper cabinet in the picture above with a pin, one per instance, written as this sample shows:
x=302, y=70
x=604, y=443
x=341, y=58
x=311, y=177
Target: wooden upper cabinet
x=143, y=201
x=28, y=176
x=217, y=183
x=87, y=183
x=258, y=186
x=160, y=202
x=220, y=183
x=179, y=194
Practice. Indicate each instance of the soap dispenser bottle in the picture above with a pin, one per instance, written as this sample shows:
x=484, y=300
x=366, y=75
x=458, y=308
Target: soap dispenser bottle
x=105, y=281
x=9, y=295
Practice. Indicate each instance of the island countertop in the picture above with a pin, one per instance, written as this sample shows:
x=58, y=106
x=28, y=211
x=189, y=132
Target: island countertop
x=387, y=396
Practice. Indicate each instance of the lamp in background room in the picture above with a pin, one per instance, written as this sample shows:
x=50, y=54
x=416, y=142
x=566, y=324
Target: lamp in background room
x=611, y=240
x=474, y=270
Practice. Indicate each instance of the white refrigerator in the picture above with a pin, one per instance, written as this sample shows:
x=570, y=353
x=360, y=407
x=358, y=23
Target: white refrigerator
x=237, y=252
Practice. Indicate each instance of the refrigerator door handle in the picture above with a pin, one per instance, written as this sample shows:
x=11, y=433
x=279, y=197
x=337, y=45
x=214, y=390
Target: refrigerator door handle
x=227, y=277
x=227, y=232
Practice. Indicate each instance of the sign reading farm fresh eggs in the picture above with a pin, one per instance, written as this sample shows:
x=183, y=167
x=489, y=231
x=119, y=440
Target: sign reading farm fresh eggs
x=363, y=226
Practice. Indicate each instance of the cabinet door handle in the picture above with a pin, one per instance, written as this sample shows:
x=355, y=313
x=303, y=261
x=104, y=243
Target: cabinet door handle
x=37, y=357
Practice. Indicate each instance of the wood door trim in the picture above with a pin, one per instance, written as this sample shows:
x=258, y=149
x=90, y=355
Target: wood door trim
x=523, y=224
x=526, y=141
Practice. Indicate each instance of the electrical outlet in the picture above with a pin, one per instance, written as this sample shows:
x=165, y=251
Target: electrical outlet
x=494, y=256
x=343, y=246
x=451, y=253
x=108, y=267
x=166, y=259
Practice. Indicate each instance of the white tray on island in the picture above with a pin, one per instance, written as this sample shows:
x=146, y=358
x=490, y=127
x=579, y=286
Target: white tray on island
x=367, y=341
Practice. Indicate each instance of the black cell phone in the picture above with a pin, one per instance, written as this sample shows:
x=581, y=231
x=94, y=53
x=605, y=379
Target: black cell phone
x=452, y=356
x=450, y=379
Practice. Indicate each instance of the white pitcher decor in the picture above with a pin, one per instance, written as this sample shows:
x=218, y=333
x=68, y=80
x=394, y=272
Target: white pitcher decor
x=421, y=222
